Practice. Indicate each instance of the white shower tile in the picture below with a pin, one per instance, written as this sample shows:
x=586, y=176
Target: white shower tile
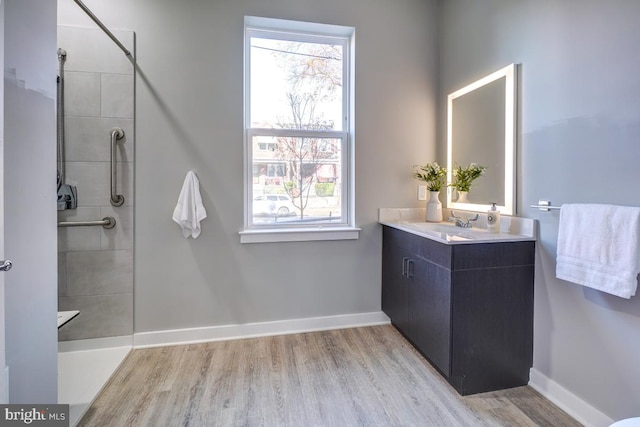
x=93, y=180
x=126, y=145
x=117, y=95
x=62, y=274
x=88, y=139
x=100, y=316
x=124, y=184
x=82, y=94
x=79, y=238
x=99, y=272
x=89, y=49
x=120, y=236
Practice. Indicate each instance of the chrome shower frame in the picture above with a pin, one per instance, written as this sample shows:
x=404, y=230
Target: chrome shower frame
x=102, y=27
x=62, y=57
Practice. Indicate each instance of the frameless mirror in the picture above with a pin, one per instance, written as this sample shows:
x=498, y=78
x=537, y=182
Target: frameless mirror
x=481, y=129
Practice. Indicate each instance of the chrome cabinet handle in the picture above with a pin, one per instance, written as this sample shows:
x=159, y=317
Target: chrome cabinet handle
x=6, y=265
x=409, y=269
x=406, y=267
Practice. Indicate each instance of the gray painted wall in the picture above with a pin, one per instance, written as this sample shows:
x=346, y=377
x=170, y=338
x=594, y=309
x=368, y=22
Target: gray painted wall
x=579, y=142
x=189, y=117
x=30, y=200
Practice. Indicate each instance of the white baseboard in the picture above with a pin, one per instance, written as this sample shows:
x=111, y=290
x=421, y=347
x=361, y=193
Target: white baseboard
x=252, y=330
x=573, y=405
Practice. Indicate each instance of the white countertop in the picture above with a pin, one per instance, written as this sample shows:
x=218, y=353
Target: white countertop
x=512, y=229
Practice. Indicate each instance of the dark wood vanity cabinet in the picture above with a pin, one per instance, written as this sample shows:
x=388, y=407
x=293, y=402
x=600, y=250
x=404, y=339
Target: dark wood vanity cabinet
x=468, y=308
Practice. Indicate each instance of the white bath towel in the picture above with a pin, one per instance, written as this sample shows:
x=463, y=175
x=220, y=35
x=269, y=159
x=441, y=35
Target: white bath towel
x=599, y=247
x=190, y=211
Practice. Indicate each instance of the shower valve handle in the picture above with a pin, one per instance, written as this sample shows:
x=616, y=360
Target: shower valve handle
x=6, y=265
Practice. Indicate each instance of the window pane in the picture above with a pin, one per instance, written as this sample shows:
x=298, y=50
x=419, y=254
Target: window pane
x=304, y=173
x=296, y=85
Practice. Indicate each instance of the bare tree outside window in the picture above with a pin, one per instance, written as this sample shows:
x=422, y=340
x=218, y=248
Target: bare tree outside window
x=314, y=77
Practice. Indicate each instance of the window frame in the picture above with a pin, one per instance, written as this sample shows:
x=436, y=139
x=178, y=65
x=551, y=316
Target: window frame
x=313, y=33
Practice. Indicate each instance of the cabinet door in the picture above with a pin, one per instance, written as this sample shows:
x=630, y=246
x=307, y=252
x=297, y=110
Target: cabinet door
x=429, y=302
x=394, y=284
x=492, y=328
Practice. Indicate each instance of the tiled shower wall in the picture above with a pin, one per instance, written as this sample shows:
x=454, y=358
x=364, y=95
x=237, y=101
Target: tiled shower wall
x=95, y=265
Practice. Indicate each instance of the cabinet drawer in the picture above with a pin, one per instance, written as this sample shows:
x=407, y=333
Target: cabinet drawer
x=492, y=255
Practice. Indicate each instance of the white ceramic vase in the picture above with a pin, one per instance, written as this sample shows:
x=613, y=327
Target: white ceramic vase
x=434, y=207
x=463, y=197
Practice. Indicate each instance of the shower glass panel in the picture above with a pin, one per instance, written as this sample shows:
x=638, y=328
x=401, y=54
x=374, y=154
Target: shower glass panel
x=95, y=263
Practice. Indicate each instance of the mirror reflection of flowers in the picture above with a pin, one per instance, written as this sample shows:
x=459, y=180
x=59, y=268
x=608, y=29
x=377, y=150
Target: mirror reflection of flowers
x=464, y=177
x=433, y=174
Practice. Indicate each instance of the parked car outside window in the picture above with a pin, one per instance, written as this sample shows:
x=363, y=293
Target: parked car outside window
x=273, y=204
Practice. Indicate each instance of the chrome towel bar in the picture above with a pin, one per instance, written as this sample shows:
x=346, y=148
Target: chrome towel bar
x=106, y=222
x=545, y=205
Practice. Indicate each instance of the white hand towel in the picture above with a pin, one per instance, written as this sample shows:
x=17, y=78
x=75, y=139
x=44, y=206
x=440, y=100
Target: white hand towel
x=599, y=247
x=190, y=211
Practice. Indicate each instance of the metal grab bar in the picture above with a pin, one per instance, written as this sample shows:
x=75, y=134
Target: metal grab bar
x=107, y=222
x=116, y=134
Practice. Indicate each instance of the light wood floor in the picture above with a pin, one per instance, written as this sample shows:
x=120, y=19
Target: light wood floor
x=365, y=376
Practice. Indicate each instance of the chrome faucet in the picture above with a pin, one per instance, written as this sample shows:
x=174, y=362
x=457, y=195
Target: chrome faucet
x=460, y=223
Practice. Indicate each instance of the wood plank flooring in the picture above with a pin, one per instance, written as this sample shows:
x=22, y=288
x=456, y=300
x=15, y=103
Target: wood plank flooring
x=351, y=377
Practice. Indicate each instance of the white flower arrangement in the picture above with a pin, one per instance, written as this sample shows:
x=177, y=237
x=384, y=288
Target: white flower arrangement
x=431, y=173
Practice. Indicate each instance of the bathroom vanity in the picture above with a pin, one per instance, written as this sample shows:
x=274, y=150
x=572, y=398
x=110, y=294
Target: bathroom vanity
x=463, y=298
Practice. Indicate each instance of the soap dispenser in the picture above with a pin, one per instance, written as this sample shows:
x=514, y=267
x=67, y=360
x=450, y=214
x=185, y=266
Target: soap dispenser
x=493, y=219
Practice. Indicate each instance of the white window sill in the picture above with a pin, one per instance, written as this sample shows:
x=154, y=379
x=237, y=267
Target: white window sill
x=299, y=234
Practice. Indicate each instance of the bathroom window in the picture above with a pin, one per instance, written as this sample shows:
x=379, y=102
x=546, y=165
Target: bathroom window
x=298, y=139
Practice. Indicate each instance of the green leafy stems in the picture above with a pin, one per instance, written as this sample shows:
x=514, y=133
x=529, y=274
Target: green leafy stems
x=464, y=177
x=435, y=176
x=431, y=173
